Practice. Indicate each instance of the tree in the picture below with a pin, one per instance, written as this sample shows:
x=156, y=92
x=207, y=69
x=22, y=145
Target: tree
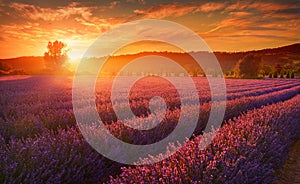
x=195, y=73
x=288, y=67
x=270, y=75
x=248, y=67
x=266, y=69
x=5, y=68
x=292, y=75
x=278, y=68
x=281, y=75
x=56, y=55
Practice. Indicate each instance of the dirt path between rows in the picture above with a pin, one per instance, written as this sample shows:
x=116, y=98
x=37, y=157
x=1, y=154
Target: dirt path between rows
x=291, y=168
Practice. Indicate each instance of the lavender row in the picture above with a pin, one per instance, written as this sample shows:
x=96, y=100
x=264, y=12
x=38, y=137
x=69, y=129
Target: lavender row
x=247, y=149
x=53, y=157
x=233, y=109
x=51, y=98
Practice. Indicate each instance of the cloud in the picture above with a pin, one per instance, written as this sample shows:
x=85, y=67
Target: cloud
x=2, y=38
x=136, y=1
x=165, y=10
x=240, y=13
x=267, y=16
x=30, y=32
x=142, y=1
x=287, y=14
x=243, y=23
x=177, y=10
x=258, y=5
x=209, y=7
x=113, y=4
x=72, y=13
x=33, y=12
x=269, y=6
x=257, y=22
x=74, y=16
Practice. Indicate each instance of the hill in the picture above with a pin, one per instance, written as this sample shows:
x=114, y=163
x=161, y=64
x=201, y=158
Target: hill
x=22, y=65
x=281, y=57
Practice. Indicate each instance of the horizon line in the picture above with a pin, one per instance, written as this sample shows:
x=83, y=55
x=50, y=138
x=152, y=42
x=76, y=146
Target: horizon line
x=15, y=57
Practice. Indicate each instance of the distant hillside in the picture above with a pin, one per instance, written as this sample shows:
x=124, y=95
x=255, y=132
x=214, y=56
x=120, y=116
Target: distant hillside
x=276, y=56
x=272, y=57
x=23, y=65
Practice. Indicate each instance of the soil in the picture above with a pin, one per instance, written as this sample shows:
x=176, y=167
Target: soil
x=290, y=172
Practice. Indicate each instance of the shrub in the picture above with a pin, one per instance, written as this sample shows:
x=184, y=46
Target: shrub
x=281, y=75
x=248, y=67
x=270, y=75
x=292, y=75
x=246, y=150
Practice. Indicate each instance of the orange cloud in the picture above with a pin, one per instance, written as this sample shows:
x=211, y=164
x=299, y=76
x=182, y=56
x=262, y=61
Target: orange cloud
x=209, y=7
x=177, y=10
x=136, y=1
x=113, y=4
x=75, y=17
x=269, y=6
x=240, y=13
x=271, y=17
x=261, y=6
x=163, y=11
x=47, y=14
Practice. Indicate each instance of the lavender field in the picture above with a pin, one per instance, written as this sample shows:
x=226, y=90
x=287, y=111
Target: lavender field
x=40, y=141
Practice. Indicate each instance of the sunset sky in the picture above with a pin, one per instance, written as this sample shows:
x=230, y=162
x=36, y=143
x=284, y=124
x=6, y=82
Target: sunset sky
x=27, y=25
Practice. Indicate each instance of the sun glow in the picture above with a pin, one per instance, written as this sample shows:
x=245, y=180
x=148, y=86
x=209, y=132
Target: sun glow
x=77, y=48
x=74, y=55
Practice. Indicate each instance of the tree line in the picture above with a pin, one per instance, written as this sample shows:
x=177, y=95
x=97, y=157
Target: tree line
x=251, y=66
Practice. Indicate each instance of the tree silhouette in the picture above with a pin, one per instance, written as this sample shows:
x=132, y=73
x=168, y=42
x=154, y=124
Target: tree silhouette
x=266, y=69
x=248, y=67
x=4, y=68
x=56, y=55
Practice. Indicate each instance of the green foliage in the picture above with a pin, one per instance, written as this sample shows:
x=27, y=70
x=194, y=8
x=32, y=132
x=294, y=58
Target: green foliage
x=281, y=75
x=248, y=67
x=288, y=75
x=275, y=75
x=290, y=67
x=292, y=75
x=195, y=73
x=266, y=69
x=229, y=74
x=270, y=75
x=278, y=68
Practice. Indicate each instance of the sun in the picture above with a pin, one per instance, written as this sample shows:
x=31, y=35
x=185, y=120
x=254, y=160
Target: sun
x=74, y=55
x=77, y=49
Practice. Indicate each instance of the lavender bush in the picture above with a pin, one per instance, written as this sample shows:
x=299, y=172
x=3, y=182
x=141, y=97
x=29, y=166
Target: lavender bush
x=247, y=149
